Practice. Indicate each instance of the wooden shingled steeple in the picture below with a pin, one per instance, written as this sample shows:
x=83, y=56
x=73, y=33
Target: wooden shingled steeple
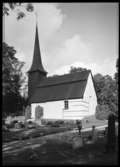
x=36, y=72
x=37, y=61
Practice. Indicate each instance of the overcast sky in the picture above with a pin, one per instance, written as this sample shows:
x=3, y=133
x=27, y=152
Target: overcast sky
x=70, y=34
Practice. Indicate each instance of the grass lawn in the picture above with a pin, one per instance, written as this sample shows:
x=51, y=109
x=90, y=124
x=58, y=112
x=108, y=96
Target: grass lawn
x=45, y=130
x=30, y=133
x=55, y=149
x=46, y=145
x=89, y=121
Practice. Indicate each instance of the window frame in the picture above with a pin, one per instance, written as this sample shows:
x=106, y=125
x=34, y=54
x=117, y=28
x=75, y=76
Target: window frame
x=66, y=104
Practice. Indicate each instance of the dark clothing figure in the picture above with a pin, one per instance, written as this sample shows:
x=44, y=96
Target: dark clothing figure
x=79, y=126
x=93, y=129
x=94, y=134
x=111, y=137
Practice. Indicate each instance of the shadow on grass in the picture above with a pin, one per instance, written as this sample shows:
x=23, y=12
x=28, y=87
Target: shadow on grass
x=54, y=152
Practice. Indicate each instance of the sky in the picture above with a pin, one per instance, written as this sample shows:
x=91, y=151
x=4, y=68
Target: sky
x=70, y=34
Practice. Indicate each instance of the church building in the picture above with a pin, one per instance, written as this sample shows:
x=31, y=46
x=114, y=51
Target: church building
x=69, y=96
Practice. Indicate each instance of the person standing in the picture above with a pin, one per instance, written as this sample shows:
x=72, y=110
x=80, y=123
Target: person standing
x=94, y=134
x=79, y=126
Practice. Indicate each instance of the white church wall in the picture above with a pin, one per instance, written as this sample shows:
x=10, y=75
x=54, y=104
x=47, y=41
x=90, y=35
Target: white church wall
x=51, y=110
x=78, y=109
x=90, y=95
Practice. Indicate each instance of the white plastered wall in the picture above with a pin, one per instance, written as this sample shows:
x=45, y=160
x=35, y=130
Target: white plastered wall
x=55, y=109
x=90, y=95
x=51, y=110
x=78, y=108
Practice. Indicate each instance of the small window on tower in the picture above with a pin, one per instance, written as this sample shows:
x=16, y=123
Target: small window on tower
x=66, y=104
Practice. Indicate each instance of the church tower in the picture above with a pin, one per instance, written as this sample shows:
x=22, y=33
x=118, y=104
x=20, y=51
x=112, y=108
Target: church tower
x=36, y=72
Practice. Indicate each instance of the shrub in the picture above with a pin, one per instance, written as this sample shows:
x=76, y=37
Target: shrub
x=49, y=123
x=70, y=124
x=15, y=121
x=3, y=122
x=55, y=124
x=22, y=124
x=60, y=122
x=30, y=125
x=17, y=125
x=12, y=124
x=5, y=128
x=29, y=122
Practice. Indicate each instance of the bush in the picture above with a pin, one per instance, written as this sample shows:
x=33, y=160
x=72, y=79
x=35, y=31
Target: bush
x=17, y=125
x=30, y=125
x=5, y=128
x=30, y=122
x=55, y=124
x=70, y=124
x=22, y=124
x=49, y=123
x=3, y=122
x=12, y=124
x=14, y=121
x=61, y=122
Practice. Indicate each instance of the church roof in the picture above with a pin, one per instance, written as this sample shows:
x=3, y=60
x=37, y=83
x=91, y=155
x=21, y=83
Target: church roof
x=37, y=62
x=69, y=86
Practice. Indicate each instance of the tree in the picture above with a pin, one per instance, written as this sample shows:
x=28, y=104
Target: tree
x=107, y=107
x=77, y=69
x=20, y=8
x=117, y=68
x=11, y=71
x=11, y=80
x=99, y=82
x=116, y=80
x=102, y=112
x=106, y=93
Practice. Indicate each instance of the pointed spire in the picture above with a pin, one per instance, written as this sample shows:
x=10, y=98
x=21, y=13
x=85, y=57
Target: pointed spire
x=37, y=62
